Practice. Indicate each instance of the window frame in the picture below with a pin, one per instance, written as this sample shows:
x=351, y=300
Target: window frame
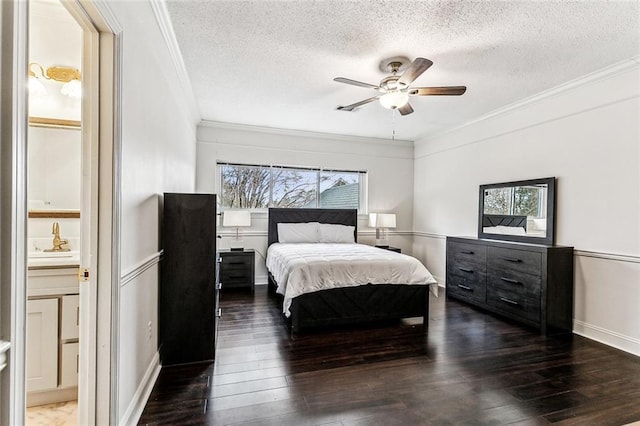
x=362, y=183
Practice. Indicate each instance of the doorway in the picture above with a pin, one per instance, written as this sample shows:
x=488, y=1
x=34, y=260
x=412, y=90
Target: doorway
x=97, y=378
x=55, y=184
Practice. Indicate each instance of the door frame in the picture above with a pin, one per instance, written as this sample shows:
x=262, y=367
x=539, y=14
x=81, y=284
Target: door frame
x=13, y=207
x=101, y=355
x=98, y=390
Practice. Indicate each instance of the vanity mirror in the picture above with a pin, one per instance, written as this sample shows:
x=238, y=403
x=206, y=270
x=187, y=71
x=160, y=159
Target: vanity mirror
x=520, y=211
x=54, y=168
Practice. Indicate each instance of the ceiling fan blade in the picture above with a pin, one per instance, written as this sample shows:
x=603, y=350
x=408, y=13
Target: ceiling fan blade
x=438, y=91
x=417, y=67
x=405, y=109
x=354, y=82
x=357, y=104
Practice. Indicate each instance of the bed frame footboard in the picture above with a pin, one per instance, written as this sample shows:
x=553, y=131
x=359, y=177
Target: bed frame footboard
x=352, y=305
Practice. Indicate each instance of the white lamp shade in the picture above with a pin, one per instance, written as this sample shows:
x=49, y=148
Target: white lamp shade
x=393, y=100
x=236, y=218
x=372, y=220
x=386, y=220
x=72, y=89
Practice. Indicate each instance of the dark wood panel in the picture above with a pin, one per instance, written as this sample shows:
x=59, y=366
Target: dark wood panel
x=529, y=282
x=463, y=253
x=527, y=262
x=187, y=287
x=470, y=367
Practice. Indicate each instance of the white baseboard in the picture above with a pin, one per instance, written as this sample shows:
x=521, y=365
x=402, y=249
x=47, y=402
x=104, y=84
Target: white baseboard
x=607, y=337
x=132, y=415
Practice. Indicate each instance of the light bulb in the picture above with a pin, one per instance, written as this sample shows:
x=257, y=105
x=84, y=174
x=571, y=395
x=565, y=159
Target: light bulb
x=72, y=89
x=394, y=100
x=36, y=88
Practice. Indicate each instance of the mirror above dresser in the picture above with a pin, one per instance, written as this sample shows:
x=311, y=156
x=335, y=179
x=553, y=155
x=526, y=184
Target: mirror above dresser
x=521, y=211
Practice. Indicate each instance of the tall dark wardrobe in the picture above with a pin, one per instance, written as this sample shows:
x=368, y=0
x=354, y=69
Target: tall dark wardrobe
x=188, y=295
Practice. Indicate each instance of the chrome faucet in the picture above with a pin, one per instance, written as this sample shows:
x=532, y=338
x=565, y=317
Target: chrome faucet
x=57, y=241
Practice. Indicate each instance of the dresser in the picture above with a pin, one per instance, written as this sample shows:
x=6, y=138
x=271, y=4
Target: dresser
x=528, y=283
x=237, y=269
x=188, y=294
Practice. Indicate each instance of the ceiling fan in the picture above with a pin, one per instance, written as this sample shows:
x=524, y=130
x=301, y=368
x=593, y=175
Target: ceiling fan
x=395, y=90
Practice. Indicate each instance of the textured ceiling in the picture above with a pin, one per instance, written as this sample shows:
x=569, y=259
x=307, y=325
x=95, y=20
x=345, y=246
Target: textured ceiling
x=272, y=63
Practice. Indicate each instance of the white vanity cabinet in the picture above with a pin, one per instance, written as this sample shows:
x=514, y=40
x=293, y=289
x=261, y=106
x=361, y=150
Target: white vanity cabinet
x=52, y=334
x=42, y=344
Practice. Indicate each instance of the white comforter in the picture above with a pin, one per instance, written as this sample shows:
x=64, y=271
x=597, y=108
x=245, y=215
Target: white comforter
x=305, y=268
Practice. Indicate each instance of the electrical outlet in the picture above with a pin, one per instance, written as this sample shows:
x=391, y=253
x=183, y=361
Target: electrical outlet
x=149, y=329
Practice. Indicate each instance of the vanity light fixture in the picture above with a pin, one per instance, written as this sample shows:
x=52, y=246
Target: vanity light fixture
x=382, y=221
x=68, y=75
x=237, y=219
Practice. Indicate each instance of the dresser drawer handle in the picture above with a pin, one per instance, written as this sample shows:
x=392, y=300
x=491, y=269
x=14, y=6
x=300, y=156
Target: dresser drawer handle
x=218, y=312
x=466, y=270
x=464, y=287
x=509, y=280
x=466, y=252
x=512, y=259
x=509, y=301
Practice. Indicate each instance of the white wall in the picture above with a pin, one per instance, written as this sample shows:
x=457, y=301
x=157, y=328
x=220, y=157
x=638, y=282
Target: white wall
x=389, y=165
x=587, y=134
x=158, y=155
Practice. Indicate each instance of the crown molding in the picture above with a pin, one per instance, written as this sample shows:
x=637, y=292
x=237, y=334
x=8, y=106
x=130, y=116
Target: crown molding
x=307, y=134
x=166, y=29
x=585, y=80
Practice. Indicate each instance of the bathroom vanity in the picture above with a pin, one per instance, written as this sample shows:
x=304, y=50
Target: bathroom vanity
x=52, y=337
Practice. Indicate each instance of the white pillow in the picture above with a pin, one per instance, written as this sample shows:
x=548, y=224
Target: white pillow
x=330, y=233
x=298, y=232
x=491, y=230
x=512, y=230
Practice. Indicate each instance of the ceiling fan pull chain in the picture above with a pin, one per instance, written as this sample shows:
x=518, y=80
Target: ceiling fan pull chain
x=393, y=125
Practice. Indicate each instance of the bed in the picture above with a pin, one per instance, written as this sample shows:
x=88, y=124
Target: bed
x=346, y=303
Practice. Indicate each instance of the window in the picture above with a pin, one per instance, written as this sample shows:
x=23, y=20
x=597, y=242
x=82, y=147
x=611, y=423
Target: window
x=247, y=186
x=519, y=200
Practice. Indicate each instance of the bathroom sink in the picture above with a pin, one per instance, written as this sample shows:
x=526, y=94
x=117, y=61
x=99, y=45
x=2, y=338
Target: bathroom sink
x=53, y=254
x=44, y=259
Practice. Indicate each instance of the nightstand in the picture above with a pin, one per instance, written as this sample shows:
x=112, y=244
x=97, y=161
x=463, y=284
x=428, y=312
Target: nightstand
x=237, y=269
x=396, y=249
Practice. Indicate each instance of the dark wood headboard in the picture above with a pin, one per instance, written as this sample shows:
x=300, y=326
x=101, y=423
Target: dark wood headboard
x=334, y=216
x=491, y=220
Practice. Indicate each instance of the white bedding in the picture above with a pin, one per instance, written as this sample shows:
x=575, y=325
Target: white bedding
x=305, y=268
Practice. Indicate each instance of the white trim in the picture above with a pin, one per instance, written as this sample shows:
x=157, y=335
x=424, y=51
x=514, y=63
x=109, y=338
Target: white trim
x=585, y=80
x=231, y=233
x=132, y=414
x=13, y=204
x=429, y=235
x=168, y=34
x=607, y=256
x=302, y=133
x=139, y=268
x=607, y=337
x=576, y=253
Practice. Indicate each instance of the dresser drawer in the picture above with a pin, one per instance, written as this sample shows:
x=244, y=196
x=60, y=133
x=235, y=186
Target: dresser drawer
x=521, y=299
x=466, y=280
x=463, y=252
x=230, y=262
x=528, y=262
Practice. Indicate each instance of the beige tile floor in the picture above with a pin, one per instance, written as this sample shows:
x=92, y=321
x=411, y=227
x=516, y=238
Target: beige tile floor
x=60, y=414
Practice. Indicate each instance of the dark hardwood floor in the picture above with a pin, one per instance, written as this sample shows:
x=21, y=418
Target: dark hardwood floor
x=469, y=368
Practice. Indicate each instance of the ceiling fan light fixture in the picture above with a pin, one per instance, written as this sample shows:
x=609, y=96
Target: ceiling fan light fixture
x=394, y=100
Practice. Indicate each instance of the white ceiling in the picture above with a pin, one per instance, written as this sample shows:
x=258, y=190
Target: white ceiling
x=272, y=63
